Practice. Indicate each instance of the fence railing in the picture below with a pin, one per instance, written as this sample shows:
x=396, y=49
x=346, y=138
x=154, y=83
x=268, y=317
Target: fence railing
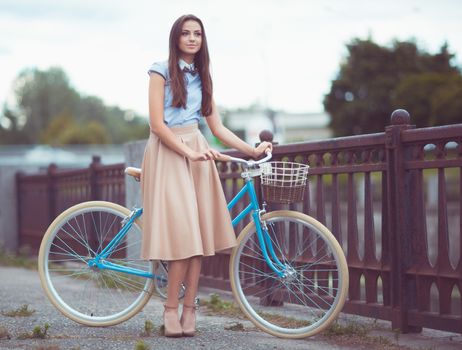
x=42, y=197
x=392, y=199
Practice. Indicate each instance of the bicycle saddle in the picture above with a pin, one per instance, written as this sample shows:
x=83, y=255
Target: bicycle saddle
x=132, y=171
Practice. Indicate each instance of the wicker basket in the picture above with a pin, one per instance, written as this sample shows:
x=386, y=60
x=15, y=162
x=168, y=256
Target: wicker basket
x=283, y=182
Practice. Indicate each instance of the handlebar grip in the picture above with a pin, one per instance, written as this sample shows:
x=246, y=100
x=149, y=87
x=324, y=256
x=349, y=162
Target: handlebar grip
x=224, y=158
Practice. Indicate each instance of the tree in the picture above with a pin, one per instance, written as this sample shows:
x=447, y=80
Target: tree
x=91, y=133
x=49, y=110
x=375, y=80
x=42, y=96
x=64, y=130
x=10, y=132
x=433, y=98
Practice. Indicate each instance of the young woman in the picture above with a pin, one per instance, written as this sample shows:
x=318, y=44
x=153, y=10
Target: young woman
x=185, y=213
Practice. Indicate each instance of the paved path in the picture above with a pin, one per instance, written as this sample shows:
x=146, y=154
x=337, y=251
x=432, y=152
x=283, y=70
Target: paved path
x=20, y=286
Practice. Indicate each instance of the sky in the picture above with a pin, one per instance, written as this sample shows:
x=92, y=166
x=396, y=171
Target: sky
x=280, y=54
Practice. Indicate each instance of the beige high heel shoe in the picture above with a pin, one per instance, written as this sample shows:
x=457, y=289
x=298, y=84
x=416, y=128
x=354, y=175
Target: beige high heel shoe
x=189, y=327
x=171, y=328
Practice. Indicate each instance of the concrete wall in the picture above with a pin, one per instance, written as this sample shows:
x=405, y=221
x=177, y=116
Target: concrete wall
x=9, y=204
x=133, y=152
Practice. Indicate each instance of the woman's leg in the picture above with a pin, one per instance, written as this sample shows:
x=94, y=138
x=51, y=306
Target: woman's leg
x=192, y=279
x=177, y=270
x=176, y=274
x=188, y=316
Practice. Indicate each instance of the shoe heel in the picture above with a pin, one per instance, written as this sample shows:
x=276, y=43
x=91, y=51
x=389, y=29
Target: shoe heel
x=170, y=332
x=191, y=331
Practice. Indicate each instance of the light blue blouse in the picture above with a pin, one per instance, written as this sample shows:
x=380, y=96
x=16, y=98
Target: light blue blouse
x=176, y=116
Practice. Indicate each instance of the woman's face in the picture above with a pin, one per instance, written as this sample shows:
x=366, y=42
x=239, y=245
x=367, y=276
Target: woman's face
x=190, y=38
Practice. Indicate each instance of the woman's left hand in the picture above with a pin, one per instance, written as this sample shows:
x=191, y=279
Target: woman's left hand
x=262, y=147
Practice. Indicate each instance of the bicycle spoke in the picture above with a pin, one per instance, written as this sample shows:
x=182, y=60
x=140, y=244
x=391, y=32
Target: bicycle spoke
x=311, y=279
x=93, y=295
x=75, y=254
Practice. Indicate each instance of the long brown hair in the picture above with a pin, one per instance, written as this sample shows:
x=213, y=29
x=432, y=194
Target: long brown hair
x=201, y=62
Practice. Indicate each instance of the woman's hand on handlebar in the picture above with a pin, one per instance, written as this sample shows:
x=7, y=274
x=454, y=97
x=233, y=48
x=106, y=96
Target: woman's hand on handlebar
x=209, y=154
x=262, y=148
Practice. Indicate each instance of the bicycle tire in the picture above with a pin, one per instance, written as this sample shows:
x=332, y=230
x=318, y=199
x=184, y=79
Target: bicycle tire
x=312, y=294
x=90, y=295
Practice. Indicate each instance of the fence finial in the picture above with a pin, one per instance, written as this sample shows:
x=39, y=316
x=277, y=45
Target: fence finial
x=266, y=135
x=95, y=159
x=400, y=117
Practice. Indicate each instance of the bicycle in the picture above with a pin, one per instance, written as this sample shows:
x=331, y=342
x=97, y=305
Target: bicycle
x=284, y=260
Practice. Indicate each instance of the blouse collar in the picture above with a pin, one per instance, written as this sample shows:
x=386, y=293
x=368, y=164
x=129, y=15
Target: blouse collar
x=184, y=64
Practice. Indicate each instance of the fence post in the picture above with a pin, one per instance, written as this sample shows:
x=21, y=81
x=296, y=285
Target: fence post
x=19, y=217
x=51, y=192
x=94, y=188
x=399, y=237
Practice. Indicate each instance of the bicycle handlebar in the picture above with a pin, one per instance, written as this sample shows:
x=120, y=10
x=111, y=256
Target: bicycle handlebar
x=248, y=163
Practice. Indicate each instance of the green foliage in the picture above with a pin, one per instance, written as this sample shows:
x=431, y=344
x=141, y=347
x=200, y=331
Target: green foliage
x=350, y=328
x=148, y=329
x=22, y=259
x=216, y=304
x=432, y=98
x=375, y=80
x=49, y=110
x=38, y=332
x=141, y=345
x=235, y=326
x=22, y=311
x=10, y=132
x=91, y=133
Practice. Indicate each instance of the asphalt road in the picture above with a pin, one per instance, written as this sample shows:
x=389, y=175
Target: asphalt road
x=20, y=286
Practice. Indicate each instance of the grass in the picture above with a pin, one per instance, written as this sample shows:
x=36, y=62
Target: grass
x=284, y=321
x=148, y=329
x=141, y=345
x=37, y=333
x=235, y=326
x=218, y=306
x=350, y=328
x=349, y=333
x=107, y=281
x=22, y=259
x=22, y=311
x=357, y=335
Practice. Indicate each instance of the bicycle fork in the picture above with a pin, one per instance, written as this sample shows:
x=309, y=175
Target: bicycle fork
x=264, y=239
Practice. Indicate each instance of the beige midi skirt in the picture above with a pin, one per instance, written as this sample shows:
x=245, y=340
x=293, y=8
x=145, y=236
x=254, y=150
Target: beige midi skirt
x=184, y=208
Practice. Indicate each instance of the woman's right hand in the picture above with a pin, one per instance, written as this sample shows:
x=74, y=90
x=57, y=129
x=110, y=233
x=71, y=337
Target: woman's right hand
x=209, y=154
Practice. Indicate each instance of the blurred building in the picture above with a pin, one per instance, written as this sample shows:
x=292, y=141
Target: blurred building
x=71, y=156
x=286, y=127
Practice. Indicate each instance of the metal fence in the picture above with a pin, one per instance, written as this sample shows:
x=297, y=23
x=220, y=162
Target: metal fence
x=392, y=199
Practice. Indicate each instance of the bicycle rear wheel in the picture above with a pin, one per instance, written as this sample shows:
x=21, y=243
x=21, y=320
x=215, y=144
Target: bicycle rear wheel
x=91, y=295
x=312, y=292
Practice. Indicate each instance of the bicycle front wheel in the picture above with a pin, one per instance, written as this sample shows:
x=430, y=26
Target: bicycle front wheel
x=313, y=289
x=88, y=294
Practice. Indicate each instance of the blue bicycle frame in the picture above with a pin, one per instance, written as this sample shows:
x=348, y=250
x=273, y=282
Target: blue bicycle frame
x=253, y=207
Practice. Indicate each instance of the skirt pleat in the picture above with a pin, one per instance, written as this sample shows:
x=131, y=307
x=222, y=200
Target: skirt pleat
x=184, y=208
